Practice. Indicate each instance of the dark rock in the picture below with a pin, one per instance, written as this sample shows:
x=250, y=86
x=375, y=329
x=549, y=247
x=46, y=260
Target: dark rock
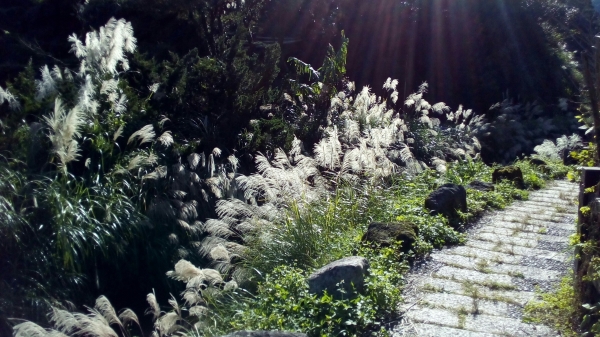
x=481, y=186
x=385, y=234
x=265, y=334
x=447, y=200
x=511, y=173
x=541, y=165
x=348, y=274
x=537, y=162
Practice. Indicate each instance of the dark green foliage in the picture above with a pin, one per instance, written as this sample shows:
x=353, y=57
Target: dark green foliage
x=269, y=134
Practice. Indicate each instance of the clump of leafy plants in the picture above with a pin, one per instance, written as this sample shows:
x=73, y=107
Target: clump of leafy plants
x=558, y=309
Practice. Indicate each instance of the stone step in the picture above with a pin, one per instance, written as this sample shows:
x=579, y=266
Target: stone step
x=542, y=234
x=533, y=228
x=515, y=250
x=464, y=319
x=434, y=284
x=430, y=330
x=472, y=252
x=490, y=267
x=476, y=305
x=505, y=239
x=531, y=221
x=490, y=280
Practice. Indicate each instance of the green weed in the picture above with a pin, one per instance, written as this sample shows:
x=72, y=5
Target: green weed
x=558, y=309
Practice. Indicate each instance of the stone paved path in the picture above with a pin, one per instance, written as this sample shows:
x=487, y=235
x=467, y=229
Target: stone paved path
x=480, y=289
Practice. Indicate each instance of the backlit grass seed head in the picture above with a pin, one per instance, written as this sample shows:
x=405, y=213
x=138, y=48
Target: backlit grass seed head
x=64, y=127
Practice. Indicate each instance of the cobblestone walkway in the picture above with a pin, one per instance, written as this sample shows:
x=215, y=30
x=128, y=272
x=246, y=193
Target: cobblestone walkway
x=480, y=289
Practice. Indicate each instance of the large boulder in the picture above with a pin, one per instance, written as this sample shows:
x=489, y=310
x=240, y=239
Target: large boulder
x=385, y=234
x=447, y=200
x=481, y=186
x=265, y=334
x=511, y=173
x=348, y=274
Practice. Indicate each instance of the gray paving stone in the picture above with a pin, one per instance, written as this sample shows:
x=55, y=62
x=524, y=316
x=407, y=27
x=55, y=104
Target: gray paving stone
x=477, y=323
x=456, y=302
x=561, y=237
x=506, y=239
x=531, y=228
x=430, y=330
x=474, y=252
x=515, y=250
x=491, y=267
x=500, y=281
x=433, y=284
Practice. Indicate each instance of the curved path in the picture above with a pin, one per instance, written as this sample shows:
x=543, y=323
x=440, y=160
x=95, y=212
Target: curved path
x=480, y=289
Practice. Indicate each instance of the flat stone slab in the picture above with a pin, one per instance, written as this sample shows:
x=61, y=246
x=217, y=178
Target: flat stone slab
x=515, y=250
x=433, y=284
x=477, y=323
x=542, y=234
x=473, y=252
x=498, y=281
x=487, y=266
x=431, y=330
x=506, y=239
x=531, y=228
x=458, y=302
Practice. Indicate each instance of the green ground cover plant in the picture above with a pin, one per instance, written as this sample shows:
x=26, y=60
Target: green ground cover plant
x=558, y=309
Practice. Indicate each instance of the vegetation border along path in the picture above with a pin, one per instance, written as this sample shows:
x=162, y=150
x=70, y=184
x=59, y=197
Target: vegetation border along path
x=481, y=288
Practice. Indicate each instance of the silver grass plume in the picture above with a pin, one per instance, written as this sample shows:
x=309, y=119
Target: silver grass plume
x=144, y=135
x=30, y=329
x=154, y=308
x=119, y=132
x=77, y=324
x=106, y=309
x=548, y=149
x=105, y=50
x=128, y=316
x=6, y=96
x=328, y=151
x=87, y=95
x=47, y=86
x=166, y=139
x=64, y=128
